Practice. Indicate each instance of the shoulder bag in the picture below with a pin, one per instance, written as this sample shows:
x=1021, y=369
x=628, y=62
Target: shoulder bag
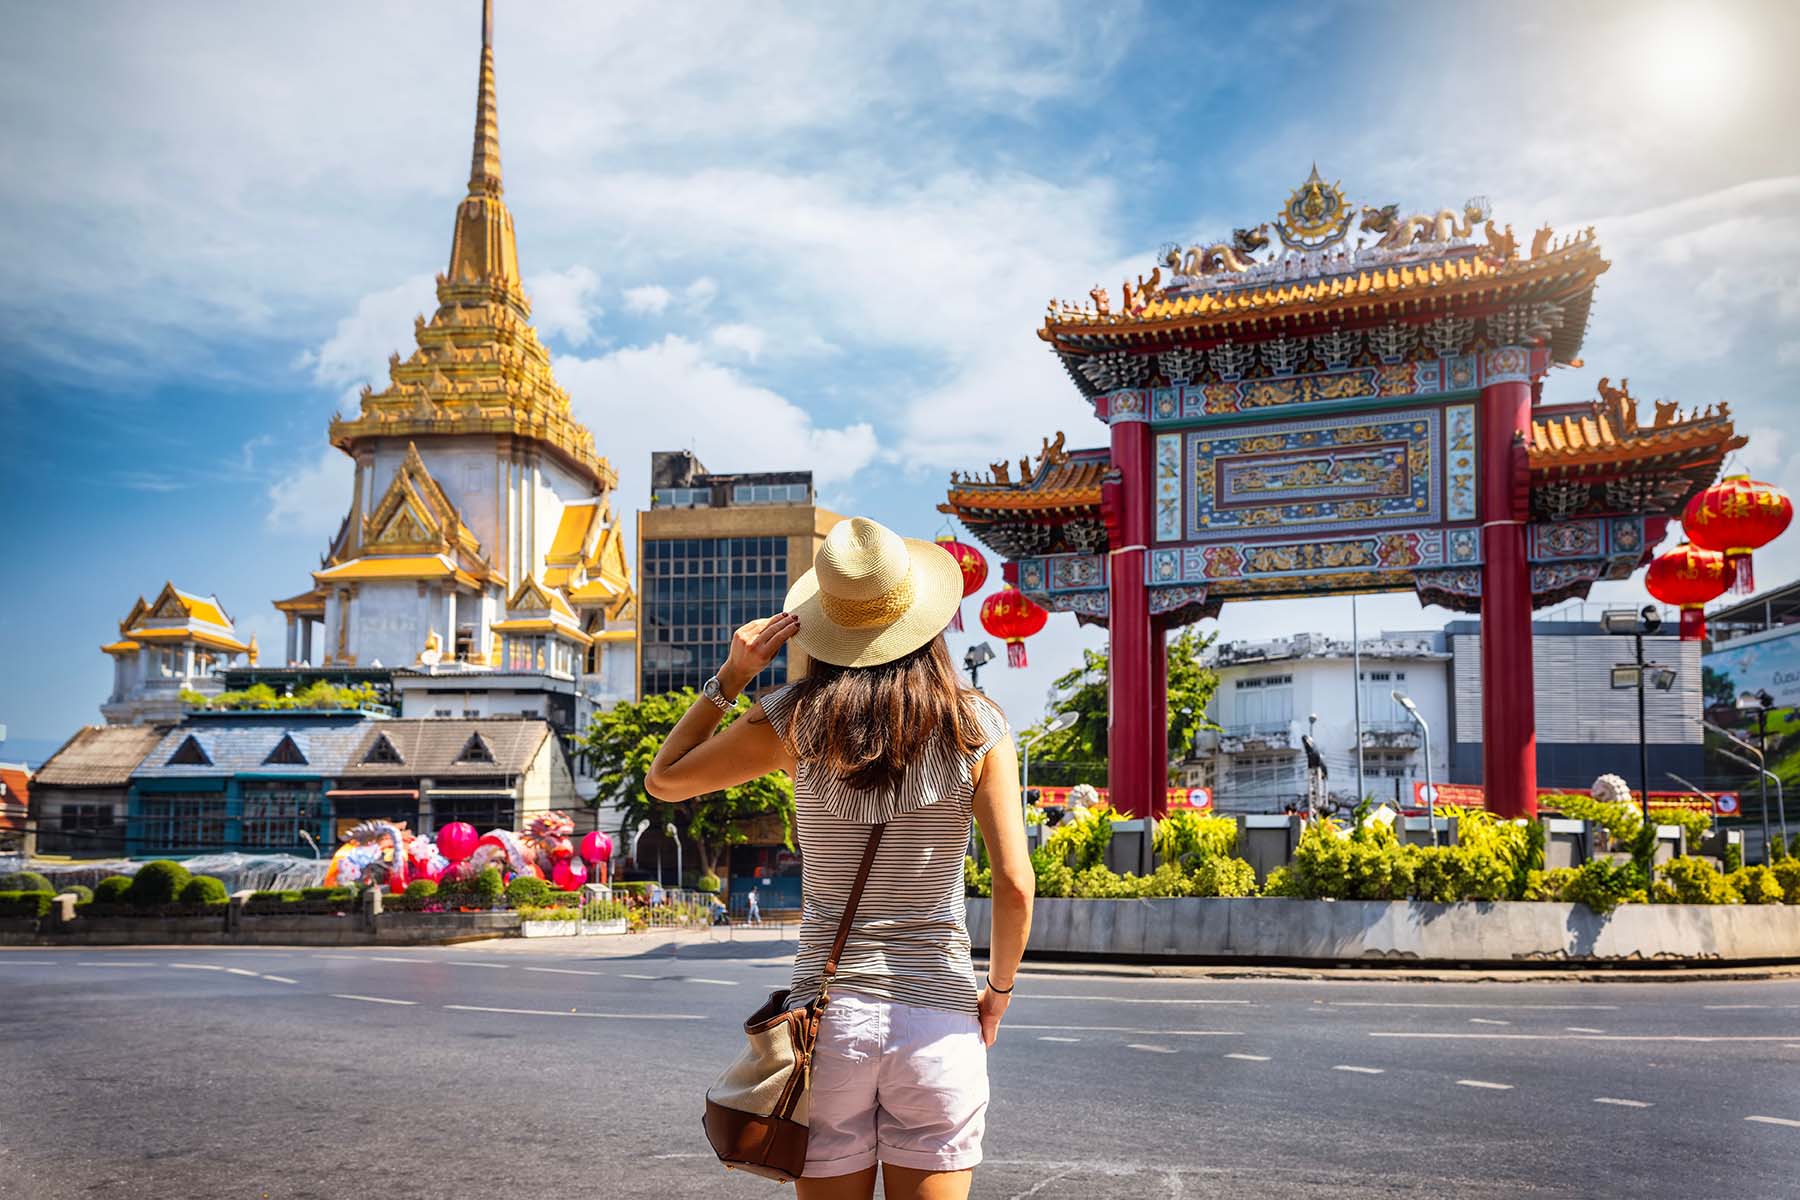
x=756, y=1113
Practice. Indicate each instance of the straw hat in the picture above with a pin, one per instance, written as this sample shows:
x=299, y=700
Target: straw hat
x=873, y=596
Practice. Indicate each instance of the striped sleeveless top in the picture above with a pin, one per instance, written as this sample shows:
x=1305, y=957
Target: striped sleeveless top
x=909, y=941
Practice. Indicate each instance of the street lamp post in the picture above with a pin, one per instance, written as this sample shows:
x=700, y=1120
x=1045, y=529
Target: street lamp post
x=976, y=657
x=1766, y=775
x=1760, y=702
x=1639, y=624
x=1060, y=722
x=1412, y=710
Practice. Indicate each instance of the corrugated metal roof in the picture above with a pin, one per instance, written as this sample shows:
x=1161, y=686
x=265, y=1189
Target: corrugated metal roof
x=100, y=756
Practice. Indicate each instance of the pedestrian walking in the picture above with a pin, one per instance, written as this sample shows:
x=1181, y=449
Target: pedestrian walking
x=754, y=915
x=892, y=758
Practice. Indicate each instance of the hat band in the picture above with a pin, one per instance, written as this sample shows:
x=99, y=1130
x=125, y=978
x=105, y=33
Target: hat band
x=884, y=609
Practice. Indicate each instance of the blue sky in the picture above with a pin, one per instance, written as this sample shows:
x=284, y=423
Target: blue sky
x=787, y=236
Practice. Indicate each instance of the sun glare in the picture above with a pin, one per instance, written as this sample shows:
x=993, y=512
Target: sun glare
x=1693, y=59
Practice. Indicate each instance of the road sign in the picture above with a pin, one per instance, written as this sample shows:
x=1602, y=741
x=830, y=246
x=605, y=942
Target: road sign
x=1725, y=804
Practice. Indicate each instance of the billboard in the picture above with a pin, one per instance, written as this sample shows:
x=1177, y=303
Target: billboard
x=1761, y=661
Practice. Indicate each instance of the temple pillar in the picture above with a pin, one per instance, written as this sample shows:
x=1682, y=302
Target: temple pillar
x=1508, y=716
x=1133, y=732
x=306, y=626
x=293, y=640
x=1159, y=714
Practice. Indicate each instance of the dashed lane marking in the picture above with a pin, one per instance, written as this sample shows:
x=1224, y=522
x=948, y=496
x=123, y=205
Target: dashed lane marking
x=1775, y=1121
x=1128, y=999
x=393, y=958
x=1486, y=1021
x=547, y=1012
x=1591, y=1037
x=718, y=982
x=1049, y=1038
x=280, y=979
x=629, y=975
x=1447, y=1004
x=118, y=964
x=1620, y=1103
x=9, y=961
x=1482, y=1083
x=241, y=971
x=1150, y=1049
x=1581, y=1029
x=1360, y=1070
x=1249, y=1057
x=562, y=971
x=1732, y=1007
x=487, y=966
x=194, y=967
x=1134, y=1030
x=370, y=999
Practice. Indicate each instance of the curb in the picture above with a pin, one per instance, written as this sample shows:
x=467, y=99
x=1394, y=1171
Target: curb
x=1674, y=973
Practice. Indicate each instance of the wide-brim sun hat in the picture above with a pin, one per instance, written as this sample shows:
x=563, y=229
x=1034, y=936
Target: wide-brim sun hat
x=873, y=596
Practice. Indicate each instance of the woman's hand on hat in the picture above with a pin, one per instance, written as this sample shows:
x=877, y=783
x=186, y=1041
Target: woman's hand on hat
x=753, y=648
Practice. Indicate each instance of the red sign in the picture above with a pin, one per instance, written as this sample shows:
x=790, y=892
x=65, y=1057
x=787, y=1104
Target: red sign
x=1461, y=795
x=1191, y=799
x=1469, y=795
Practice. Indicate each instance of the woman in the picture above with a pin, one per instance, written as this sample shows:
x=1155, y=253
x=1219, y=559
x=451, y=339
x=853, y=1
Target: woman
x=880, y=731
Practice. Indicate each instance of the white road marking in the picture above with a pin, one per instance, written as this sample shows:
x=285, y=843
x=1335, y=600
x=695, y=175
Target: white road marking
x=1049, y=1038
x=9, y=960
x=1619, y=1102
x=1592, y=1037
x=1485, y=1021
x=1249, y=1057
x=1504, y=1007
x=370, y=999
x=547, y=1012
x=1581, y=1029
x=629, y=975
x=1360, y=1070
x=344, y=957
x=390, y=958
x=489, y=966
x=1482, y=1083
x=194, y=967
x=1127, y=999
x=118, y=964
x=1132, y=1029
x=1791, y=1046
x=240, y=971
x=1775, y=1121
x=280, y=979
x=719, y=982
x=1732, y=1007
x=563, y=971
x=1150, y=1049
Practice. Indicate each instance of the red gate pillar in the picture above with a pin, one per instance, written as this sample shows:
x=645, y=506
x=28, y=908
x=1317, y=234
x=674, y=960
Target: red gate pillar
x=1508, y=713
x=1159, y=716
x=1133, y=731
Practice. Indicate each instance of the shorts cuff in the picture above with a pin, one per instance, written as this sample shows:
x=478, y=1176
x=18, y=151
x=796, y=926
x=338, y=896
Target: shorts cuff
x=849, y=1164
x=922, y=1160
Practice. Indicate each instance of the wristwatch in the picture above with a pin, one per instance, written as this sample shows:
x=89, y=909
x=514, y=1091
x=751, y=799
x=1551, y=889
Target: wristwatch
x=712, y=691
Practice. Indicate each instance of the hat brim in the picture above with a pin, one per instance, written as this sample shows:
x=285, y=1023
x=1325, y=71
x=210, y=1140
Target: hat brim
x=937, y=590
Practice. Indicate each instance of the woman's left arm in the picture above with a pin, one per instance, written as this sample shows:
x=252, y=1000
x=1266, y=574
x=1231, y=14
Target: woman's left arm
x=697, y=756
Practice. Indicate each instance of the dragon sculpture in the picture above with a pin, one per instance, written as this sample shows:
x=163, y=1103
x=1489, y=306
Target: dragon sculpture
x=547, y=840
x=1233, y=257
x=1397, y=233
x=373, y=852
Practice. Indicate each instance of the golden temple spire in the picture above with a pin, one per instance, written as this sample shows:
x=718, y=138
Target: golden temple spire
x=484, y=170
x=483, y=251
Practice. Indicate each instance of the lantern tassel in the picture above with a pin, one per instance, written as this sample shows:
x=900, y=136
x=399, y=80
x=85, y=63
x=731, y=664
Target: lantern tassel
x=1745, y=580
x=956, y=625
x=1693, y=623
x=1015, y=654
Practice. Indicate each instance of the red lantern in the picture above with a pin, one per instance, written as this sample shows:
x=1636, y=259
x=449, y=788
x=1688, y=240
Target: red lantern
x=1011, y=616
x=974, y=572
x=1736, y=516
x=1689, y=577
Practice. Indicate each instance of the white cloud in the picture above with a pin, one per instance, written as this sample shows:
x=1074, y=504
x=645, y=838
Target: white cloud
x=745, y=341
x=700, y=294
x=381, y=325
x=649, y=300
x=312, y=497
x=565, y=304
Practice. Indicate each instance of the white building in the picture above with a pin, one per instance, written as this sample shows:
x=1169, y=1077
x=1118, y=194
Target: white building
x=1272, y=693
x=179, y=642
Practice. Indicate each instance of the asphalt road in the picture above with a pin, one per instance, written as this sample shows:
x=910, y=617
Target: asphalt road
x=545, y=1069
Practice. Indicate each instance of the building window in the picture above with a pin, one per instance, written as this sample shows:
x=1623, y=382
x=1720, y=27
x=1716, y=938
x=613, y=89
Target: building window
x=681, y=497
x=286, y=753
x=442, y=712
x=87, y=818
x=274, y=815
x=175, y=822
x=770, y=493
x=483, y=812
x=467, y=712
x=475, y=750
x=383, y=751
x=694, y=593
x=1265, y=703
x=189, y=754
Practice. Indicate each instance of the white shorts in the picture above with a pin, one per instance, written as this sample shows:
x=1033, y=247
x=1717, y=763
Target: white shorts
x=895, y=1083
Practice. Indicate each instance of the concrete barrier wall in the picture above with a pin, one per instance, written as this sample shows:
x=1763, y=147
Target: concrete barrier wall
x=350, y=929
x=1408, y=931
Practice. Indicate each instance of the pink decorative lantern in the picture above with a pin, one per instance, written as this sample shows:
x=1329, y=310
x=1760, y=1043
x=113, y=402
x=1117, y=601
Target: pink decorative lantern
x=596, y=847
x=456, y=841
x=570, y=874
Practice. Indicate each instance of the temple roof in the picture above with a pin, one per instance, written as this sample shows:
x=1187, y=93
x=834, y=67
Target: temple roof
x=478, y=367
x=415, y=532
x=1606, y=433
x=176, y=616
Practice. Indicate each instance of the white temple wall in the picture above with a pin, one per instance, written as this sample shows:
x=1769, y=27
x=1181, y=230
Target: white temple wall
x=386, y=623
x=555, y=487
x=469, y=470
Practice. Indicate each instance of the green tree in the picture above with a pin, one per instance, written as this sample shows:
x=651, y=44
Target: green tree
x=1083, y=745
x=621, y=743
x=1717, y=686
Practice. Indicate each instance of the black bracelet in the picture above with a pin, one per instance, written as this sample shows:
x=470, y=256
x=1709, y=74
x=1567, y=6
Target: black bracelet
x=1000, y=990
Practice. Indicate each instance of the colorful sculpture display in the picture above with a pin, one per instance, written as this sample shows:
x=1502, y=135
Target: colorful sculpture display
x=385, y=853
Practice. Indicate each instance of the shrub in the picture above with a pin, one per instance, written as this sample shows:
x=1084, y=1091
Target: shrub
x=710, y=884
x=158, y=883
x=1732, y=857
x=526, y=891
x=1756, y=885
x=83, y=893
x=1055, y=880
x=1548, y=885
x=1081, y=840
x=1692, y=881
x=319, y=893
x=1099, y=883
x=421, y=889
x=977, y=881
x=25, y=881
x=1787, y=873
x=1223, y=877
x=1367, y=864
x=203, y=889
x=1603, y=885
x=533, y=912
x=487, y=887
x=35, y=904
x=603, y=910
x=1282, y=882
x=1189, y=835
x=114, y=889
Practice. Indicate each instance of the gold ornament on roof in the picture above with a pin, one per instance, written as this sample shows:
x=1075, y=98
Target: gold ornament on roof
x=1315, y=216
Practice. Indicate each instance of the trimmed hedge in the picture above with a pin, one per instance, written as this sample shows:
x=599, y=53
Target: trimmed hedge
x=25, y=881
x=158, y=883
x=33, y=904
x=204, y=889
x=420, y=889
x=82, y=892
x=114, y=889
x=528, y=891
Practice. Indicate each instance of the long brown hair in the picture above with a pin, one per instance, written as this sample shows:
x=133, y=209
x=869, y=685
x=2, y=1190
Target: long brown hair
x=867, y=725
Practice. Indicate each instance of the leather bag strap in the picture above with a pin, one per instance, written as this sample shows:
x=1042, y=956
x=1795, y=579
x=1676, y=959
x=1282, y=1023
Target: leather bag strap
x=843, y=929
